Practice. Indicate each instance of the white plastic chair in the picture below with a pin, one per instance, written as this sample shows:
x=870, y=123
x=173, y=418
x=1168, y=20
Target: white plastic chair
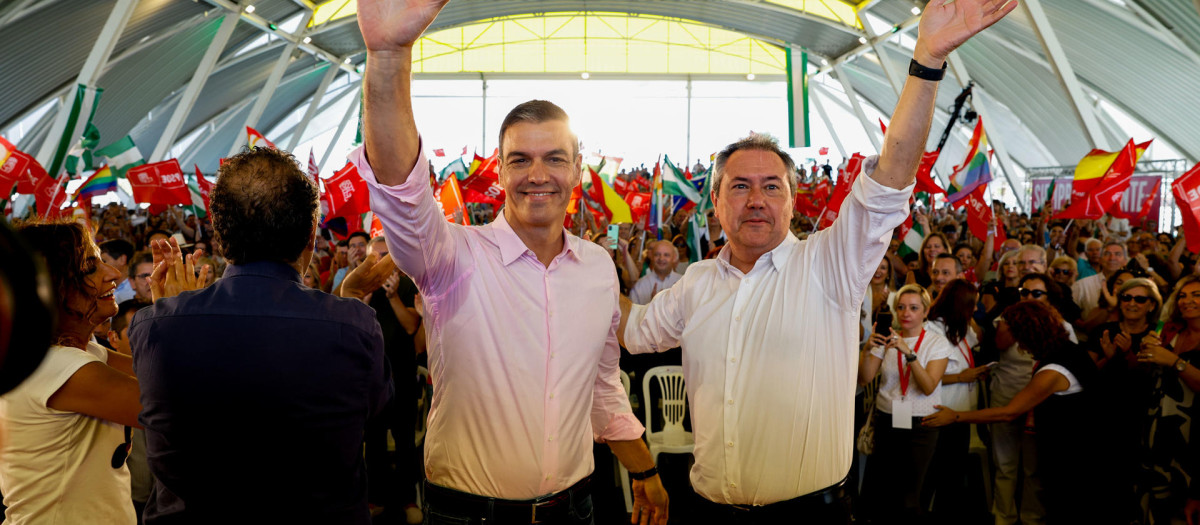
x=626, y=489
x=672, y=439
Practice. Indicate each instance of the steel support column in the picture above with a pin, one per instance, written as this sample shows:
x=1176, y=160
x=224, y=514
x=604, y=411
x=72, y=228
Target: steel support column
x=1061, y=67
x=192, y=92
x=313, y=106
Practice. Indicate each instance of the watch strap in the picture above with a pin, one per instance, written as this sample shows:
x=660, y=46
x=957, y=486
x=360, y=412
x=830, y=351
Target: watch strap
x=651, y=472
x=926, y=73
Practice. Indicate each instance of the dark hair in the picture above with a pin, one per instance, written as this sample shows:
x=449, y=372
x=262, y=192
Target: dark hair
x=954, y=307
x=139, y=258
x=115, y=248
x=344, y=243
x=754, y=142
x=957, y=263
x=263, y=207
x=63, y=245
x=962, y=245
x=1037, y=327
x=152, y=233
x=536, y=112
x=1132, y=268
x=120, y=320
x=358, y=233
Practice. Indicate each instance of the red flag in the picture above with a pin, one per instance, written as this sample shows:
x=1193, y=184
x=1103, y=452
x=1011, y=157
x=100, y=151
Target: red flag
x=205, y=187
x=639, y=204
x=35, y=173
x=846, y=179
x=483, y=187
x=439, y=152
x=12, y=172
x=1107, y=193
x=314, y=170
x=823, y=151
x=883, y=126
x=1186, y=189
x=255, y=139
x=159, y=183
x=50, y=195
x=347, y=194
x=622, y=186
x=979, y=214
x=925, y=180
x=464, y=152
x=376, y=226
x=450, y=199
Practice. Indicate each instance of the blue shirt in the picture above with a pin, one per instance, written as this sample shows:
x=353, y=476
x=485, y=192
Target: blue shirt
x=255, y=392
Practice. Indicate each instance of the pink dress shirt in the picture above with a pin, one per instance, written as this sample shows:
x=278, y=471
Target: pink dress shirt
x=524, y=357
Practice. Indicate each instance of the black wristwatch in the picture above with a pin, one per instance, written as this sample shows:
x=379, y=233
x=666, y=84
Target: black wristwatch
x=910, y=357
x=653, y=471
x=926, y=73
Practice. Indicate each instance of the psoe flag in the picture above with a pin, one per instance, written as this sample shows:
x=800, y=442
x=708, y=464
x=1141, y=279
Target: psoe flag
x=159, y=183
x=255, y=139
x=6, y=150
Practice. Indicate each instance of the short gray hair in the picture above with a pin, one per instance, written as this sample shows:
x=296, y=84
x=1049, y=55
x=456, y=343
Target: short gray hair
x=756, y=141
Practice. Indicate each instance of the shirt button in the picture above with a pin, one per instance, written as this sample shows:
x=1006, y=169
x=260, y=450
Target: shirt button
x=551, y=438
x=551, y=396
x=729, y=444
x=733, y=485
x=738, y=318
x=730, y=402
x=547, y=477
x=732, y=359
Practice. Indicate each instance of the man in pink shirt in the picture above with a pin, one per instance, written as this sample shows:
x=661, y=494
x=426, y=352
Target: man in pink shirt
x=521, y=315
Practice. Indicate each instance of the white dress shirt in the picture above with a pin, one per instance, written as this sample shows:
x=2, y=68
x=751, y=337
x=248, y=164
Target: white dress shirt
x=770, y=357
x=650, y=284
x=934, y=346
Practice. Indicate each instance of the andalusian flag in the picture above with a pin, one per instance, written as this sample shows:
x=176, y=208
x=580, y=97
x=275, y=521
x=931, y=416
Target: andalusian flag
x=255, y=139
x=458, y=168
x=911, y=236
x=975, y=171
x=100, y=183
x=121, y=155
x=675, y=183
x=78, y=120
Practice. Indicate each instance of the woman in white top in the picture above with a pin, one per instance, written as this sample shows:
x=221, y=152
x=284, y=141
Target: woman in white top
x=64, y=454
x=911, y=360
x=878, y=298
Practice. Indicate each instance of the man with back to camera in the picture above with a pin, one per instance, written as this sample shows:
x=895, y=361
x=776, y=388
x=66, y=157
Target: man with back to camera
x=521, y=316
x=256, y=389
x=769, y=329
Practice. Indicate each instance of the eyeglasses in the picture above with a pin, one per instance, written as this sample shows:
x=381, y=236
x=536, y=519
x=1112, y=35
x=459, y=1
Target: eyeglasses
x=1037, y=294
x=1139, y=299
x=1026, y=263
x=1061, y=271
x=142, y=276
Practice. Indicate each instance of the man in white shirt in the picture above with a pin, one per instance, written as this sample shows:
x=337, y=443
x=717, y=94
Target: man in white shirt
x=661, y=276
x=1087, y=291
x=769, y=329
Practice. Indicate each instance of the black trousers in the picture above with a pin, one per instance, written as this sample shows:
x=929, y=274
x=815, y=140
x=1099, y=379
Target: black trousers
x=828, y=507
x=896, y=470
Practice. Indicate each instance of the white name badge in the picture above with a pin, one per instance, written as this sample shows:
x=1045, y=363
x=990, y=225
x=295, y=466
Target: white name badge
x=902, y=414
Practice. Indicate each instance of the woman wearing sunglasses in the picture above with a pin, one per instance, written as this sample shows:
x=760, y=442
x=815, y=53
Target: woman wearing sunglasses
x=1172, y=357
x=1065, y=421
x=67, y=441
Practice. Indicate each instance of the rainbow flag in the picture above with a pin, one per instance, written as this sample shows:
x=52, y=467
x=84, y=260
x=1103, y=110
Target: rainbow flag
x=101, y=182
x=975, y=171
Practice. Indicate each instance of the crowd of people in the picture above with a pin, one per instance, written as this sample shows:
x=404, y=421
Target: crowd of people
x=251, y=366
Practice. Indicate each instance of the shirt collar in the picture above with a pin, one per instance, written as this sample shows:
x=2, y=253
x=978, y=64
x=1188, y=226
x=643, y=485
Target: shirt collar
x=777, y=257
x=273, y=269
x=512, y=247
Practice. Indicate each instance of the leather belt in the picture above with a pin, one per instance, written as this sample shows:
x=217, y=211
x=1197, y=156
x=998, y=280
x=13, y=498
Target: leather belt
x=551, y=507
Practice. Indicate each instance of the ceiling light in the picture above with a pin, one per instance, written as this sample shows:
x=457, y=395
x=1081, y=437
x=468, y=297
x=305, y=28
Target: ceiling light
x=824, y=62
x=585, y=75
x=308, y=40
x=346, y=61
x=750, y=76
x=862, y=40
x=250, y=9
x=916, y=10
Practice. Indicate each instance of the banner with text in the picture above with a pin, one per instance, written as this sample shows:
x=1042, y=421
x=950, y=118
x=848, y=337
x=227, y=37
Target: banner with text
x=1131, y=201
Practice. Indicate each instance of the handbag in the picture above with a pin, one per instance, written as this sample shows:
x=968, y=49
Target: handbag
x=866, y=435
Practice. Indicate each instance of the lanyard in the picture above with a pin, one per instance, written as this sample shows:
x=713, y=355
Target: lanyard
x=900, y=365
x=966, y=353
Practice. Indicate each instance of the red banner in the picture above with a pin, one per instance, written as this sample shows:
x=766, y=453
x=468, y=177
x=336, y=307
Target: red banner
x=159, y=183
x=1186, y=189
x=639, y=204
x=979, y=214
x=347, y=193
x=26, y=184
x=50, y=195
x=845, y=181
x=12, y=172
x=204, y=186
x=483, y=187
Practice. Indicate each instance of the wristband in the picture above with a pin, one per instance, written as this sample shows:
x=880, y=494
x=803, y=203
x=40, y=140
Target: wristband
x=926, y=73
x=910, y=357
x=651, y=472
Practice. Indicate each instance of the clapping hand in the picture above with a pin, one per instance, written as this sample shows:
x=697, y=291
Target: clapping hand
x=173, y=273
x=368, y=276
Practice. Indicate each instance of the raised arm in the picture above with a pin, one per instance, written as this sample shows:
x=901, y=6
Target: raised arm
x=389, y=29
x=944, y=26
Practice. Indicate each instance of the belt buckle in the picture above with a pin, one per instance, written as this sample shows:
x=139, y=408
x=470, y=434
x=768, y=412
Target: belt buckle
x=534, y=507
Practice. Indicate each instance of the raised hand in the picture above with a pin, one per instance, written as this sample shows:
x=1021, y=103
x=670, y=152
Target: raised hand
x=946, y=24
x=173, y=273
x=368, y=276
x=389, y=25
x=650, y=502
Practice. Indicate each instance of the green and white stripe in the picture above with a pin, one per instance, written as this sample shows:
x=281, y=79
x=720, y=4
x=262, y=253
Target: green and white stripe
x=122, y=155
x=83, y=108
x=674, y=183
x=197, y=206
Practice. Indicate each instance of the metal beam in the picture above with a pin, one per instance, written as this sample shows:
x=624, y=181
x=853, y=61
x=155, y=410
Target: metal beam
x=868, y=127
x=889, y=70
x=350, y=111
x=192, y=92
x=90, y=72
x=265, y=26
x=269, y=87
x=313, y=106
x=1065, y=73
x=898, y=29
x=837, y=141
x=338, y=98
x=995, y=139
x=213, y=124
x=19, y=10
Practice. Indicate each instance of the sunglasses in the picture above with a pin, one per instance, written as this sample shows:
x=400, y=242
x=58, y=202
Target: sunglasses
x=1062, y=271
x=1139, y=299
x=122, y=452
x=1036, y=294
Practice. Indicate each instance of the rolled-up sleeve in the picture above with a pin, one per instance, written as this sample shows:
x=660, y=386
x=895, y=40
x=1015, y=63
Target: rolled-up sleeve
x=421, y=241
x=658, y=326
x=612, y=417
x=849, y=251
